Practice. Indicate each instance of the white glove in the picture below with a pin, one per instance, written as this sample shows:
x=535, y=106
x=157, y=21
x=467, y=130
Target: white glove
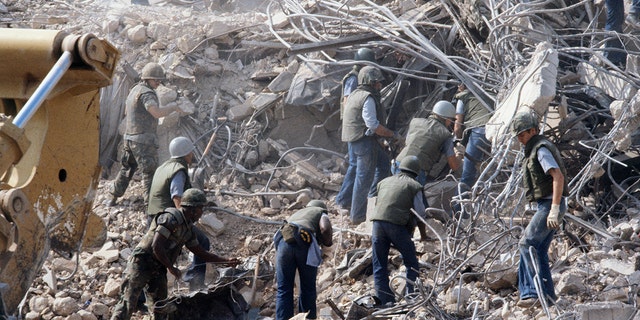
x=552, y=218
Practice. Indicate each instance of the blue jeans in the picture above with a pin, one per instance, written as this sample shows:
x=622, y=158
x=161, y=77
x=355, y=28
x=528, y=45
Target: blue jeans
x=363, y=156
x=615, y=19
x=477, y=142
x=383, y=170
x=383, y=235
x=538, y=236
x=290, y=257
x=198, y=268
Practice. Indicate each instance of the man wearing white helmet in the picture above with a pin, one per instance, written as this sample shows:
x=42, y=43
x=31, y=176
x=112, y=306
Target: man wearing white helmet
x=430, y=138
x=140, y=146
x=172, y=177
x=170, y=181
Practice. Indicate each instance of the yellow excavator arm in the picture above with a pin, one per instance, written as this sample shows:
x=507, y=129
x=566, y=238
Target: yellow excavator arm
x=49, y=143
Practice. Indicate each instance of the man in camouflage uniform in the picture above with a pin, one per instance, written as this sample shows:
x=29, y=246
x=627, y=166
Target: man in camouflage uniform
x=170, y=181
x=158, y=251
x=140, y=146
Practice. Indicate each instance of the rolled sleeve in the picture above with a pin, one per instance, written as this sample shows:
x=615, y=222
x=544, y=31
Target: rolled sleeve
x=460, y=107
x=546, y=159
x=163, y=231
x=177, y=184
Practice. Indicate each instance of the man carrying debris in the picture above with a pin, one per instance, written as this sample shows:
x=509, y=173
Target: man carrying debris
x=429, y=139
x=297, y=246
x=167, y=187
x=140, y=146
x=544, y=182
x=393, y=224
x=362, y=124
x=158, y=251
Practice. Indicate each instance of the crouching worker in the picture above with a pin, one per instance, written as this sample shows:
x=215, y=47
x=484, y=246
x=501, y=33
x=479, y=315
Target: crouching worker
x=297, y=246
x=158, y=250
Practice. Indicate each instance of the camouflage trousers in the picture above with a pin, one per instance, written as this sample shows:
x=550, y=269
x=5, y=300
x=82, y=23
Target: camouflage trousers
x=134, y=155
x=144, y=273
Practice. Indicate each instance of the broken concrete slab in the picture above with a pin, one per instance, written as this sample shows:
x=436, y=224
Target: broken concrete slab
x=312, y=175
x=610, y=81
x=282, y=82
x=535, y=89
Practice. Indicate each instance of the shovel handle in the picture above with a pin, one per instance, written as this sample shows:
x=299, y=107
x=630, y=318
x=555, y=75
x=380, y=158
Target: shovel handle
x=213, y=137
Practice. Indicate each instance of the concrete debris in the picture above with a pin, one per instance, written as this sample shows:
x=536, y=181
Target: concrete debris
x=265, y=80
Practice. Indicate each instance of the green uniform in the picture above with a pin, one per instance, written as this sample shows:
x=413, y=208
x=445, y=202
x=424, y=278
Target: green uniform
x=140, y=140
x=424, y=140
x=145, y=272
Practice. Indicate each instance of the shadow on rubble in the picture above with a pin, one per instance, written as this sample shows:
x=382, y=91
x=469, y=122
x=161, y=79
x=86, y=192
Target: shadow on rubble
x=222, y=303
x=223, y=300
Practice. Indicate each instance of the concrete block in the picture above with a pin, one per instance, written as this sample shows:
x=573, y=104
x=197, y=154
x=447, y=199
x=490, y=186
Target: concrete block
x=604, y=311
x=282, y=82
x=617, y=266
x=239, y=112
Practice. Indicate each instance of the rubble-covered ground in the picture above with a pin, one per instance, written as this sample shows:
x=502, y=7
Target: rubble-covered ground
x=263, y=76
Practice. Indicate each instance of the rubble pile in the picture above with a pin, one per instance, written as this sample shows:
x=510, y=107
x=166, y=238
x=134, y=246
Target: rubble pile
x=260, y=80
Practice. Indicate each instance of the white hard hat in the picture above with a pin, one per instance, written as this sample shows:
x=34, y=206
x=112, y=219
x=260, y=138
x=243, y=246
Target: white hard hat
x=180, y=147
x=444, y=109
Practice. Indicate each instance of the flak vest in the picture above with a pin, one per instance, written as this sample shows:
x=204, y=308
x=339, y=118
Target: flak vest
x=537, y=183
x=395, y=199
x=475, y=114
x=139, y=120
x=353, y=126
x=160, y=190
x=308, y=218
x=424, y=140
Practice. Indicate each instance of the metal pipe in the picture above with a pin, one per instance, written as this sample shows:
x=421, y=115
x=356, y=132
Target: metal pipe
x=43, y=90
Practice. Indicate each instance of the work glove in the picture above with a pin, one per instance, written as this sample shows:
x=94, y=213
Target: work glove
x=553, y=217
